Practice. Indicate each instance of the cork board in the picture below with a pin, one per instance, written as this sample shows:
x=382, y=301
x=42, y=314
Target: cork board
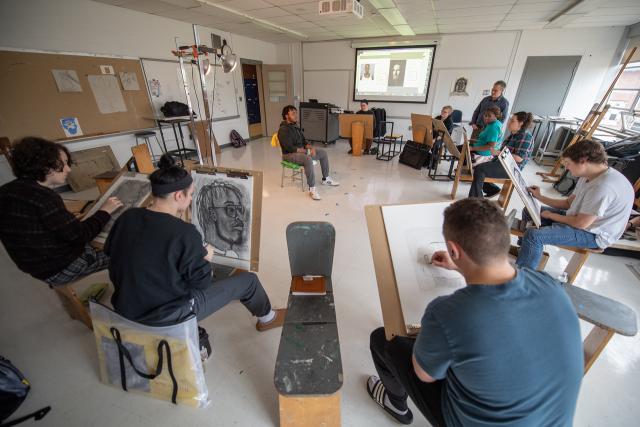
x=34, y=103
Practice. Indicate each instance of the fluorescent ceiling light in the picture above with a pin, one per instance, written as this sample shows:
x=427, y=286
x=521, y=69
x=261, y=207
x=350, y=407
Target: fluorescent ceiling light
x=405, y=30
x=382, y=4
x=577, y=10
x=393, y=15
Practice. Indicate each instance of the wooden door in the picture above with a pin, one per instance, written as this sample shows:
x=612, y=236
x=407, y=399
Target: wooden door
x=277, y=83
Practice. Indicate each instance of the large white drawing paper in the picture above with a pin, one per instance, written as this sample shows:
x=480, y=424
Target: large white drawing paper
x=221, y=210
x=531, y=204
x=132, y=190
x=107, y=93
x=67, y=80
x=414, y=233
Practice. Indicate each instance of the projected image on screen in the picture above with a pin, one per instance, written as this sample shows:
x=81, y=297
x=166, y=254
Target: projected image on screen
x=393, y=74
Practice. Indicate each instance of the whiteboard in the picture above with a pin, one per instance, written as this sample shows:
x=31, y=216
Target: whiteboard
x=164, y=83
x=328, y=86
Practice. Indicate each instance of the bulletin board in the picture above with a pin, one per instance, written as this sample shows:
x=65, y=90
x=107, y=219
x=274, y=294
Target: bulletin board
x=33, y=103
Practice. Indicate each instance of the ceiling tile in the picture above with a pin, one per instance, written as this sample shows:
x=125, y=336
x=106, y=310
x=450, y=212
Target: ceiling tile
x=245, y=5
x=270, y=12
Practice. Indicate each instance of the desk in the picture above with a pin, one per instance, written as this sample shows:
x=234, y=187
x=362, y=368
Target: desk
x=552, y=122
x=181, y=151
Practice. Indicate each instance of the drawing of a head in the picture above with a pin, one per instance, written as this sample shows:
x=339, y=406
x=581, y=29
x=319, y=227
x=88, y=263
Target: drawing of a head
x=222, y=215
x=396, y=71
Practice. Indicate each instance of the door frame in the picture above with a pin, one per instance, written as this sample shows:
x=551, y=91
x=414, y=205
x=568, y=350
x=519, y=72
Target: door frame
x=566, y=93
x=258, y=65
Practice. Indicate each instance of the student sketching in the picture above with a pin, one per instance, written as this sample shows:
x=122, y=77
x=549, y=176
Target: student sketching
x=519, y=143
x=41, y=236
x=296, y=150
x=494, y=100
x=489, y=138
x=504, y=350
x=160, y=270
x=445, y=116
x=364, y=109
x=594, y=216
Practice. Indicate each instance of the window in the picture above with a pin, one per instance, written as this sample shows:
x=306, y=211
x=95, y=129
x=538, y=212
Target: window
x=624, y=110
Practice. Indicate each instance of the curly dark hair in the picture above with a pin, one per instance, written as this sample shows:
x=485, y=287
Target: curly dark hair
x=34, y=158
x=286, y=110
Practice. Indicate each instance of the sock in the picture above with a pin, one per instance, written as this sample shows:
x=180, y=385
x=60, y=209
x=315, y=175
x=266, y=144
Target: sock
x=267, y=317
x=312, y=189
x=372, y=382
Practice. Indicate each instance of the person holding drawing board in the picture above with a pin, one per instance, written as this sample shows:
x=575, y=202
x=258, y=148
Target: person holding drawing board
x=295, y=149
x=489, y=138
x=519, y=143
x=160, y=269
x=503, y=350
x=494, y=100
x=41, y=236
x=593, y=217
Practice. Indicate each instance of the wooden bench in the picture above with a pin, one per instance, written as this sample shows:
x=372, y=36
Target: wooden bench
x=72, y=304
x=608, y=317
x=308, y=373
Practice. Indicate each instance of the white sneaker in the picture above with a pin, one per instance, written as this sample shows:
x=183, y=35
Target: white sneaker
x=314, y=193
x=330, y=181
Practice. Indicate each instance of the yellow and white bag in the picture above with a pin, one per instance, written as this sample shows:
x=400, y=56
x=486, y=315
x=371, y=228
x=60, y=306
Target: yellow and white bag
x=162, y=362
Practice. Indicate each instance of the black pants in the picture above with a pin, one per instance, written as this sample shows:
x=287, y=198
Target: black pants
x=492, y=169
x=245, y=287
x=392, y=360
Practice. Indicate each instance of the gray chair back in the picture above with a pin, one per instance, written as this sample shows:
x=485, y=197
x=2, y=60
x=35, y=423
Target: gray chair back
x=311, y=246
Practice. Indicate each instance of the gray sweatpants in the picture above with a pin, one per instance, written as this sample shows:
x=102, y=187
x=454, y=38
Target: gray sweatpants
x=307, y=161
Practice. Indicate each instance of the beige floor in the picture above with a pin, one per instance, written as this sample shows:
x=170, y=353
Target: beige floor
x=58, y=355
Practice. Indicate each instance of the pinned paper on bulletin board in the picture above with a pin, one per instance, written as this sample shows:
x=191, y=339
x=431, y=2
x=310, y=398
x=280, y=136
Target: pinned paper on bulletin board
x=70, y=126
x=107, y=93
x=67, y=80
x=129, y=80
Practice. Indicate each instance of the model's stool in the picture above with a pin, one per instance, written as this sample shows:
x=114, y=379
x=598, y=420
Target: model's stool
x=296, y=173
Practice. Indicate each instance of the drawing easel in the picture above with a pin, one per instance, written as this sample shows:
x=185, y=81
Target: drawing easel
x=422, y=129
x=464, y=173
x=590, y=123
x=358, y=127
x=256, y=207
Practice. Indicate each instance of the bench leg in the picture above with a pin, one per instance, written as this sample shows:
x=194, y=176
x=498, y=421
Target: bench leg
x=505, y=195
x=310, y=411
x=593, y=345
x=72, y=304
x=575, y=264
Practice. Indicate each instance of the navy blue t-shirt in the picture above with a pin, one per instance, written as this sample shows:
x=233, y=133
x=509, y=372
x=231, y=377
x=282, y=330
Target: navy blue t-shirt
x=508, y=354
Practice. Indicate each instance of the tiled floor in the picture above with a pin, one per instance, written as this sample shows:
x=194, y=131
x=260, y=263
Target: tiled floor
x=58, y=354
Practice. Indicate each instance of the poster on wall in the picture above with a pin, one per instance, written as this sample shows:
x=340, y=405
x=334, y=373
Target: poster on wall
x=67, y=80
x=129, y=80
x=107, y=93
x=70, y=126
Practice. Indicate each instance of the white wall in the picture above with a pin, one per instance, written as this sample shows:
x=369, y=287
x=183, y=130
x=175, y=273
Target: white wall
x=481, y=57
x=88, y=27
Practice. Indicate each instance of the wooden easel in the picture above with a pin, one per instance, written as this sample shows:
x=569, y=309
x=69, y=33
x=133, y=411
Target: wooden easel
x=422, y=129
x=464, y=173
x=590, y=123
x=358, y=127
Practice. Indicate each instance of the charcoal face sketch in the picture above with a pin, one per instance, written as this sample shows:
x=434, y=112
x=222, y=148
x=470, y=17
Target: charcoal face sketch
x=221, y=211
x=132, y=192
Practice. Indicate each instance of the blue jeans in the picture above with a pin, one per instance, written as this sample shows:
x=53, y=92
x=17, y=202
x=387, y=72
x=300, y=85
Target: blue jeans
x=550, y=233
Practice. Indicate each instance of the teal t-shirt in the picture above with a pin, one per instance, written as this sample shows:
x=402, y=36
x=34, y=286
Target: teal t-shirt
x=508, y=354
x=491, y=133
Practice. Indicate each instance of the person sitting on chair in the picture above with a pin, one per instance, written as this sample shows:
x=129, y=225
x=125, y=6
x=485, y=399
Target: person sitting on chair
x=519, y=143
x=364, y=109
x=504, y=350
x=445, y=116
x=296, y=150
x=41, y=236
x=489, y=138
x=160, y=269
x=495, y=99
x=593, y=217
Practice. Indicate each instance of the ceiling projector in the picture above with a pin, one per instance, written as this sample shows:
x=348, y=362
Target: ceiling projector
x=341, y=7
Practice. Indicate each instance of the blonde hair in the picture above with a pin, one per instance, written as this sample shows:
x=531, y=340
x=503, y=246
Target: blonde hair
x=448, y=107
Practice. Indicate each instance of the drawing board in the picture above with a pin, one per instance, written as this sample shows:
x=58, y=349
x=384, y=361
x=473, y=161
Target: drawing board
x=226, y=210
x=515, y=174
x=133, y=190
x=414, y=233
x=438, y=125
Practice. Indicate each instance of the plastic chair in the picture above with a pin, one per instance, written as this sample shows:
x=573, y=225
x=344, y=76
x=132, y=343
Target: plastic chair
x=310, y=246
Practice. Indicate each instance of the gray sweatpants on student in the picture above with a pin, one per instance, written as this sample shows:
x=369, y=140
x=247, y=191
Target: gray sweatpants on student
x=245, y=287
x=307, y=161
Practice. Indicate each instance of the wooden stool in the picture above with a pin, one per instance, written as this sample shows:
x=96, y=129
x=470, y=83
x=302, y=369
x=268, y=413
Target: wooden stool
x=357, y=138
x=72, y=304
x=609, y=317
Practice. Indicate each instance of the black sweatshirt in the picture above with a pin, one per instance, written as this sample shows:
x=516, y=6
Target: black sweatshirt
x=291, y=137
x=41, y=236
x=156, y=259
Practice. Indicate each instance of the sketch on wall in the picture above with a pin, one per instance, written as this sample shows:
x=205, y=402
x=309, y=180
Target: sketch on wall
x=107, y=93
x=460, y=87
x=515, y=174
x=221, y=210
x=67, y=80
x=132, y=190
x=129, y=80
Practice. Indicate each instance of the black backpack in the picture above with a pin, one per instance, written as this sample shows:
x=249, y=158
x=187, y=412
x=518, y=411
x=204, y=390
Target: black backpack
x=174, y=109
x=415, y=155
x=566, y=183
x=236, y=139
x=14, y=388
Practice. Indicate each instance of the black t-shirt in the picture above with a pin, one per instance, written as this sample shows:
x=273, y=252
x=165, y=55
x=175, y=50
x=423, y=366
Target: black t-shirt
x=156, y=259
x=448, y=122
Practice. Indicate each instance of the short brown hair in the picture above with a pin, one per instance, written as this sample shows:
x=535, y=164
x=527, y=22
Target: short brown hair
x=495, y=110
x=501, y=83
x=587, y=149
x=479, y=227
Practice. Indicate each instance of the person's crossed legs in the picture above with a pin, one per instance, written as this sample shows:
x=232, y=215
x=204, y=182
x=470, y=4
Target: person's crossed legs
x=90, y=261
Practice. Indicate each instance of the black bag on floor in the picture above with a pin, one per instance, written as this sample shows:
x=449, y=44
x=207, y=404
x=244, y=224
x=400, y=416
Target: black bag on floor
x=14, y=388
x=415, y=155
x=566, y=183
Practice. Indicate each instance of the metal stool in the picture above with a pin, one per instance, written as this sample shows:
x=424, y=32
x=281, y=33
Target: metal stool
x=146, y=137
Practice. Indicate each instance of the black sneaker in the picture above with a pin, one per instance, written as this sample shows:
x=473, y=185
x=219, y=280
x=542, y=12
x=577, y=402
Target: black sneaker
x=350, y=152
x=492, y=193
x=205, y=345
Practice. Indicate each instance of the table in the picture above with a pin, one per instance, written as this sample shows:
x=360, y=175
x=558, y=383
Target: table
x=543, y=150
x=174, y=122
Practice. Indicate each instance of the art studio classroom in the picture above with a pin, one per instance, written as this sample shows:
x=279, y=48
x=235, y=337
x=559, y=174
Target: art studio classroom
x=319, y=213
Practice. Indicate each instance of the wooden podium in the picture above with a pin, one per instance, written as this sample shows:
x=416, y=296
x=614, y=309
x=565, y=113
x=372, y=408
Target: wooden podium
x=358, y=127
